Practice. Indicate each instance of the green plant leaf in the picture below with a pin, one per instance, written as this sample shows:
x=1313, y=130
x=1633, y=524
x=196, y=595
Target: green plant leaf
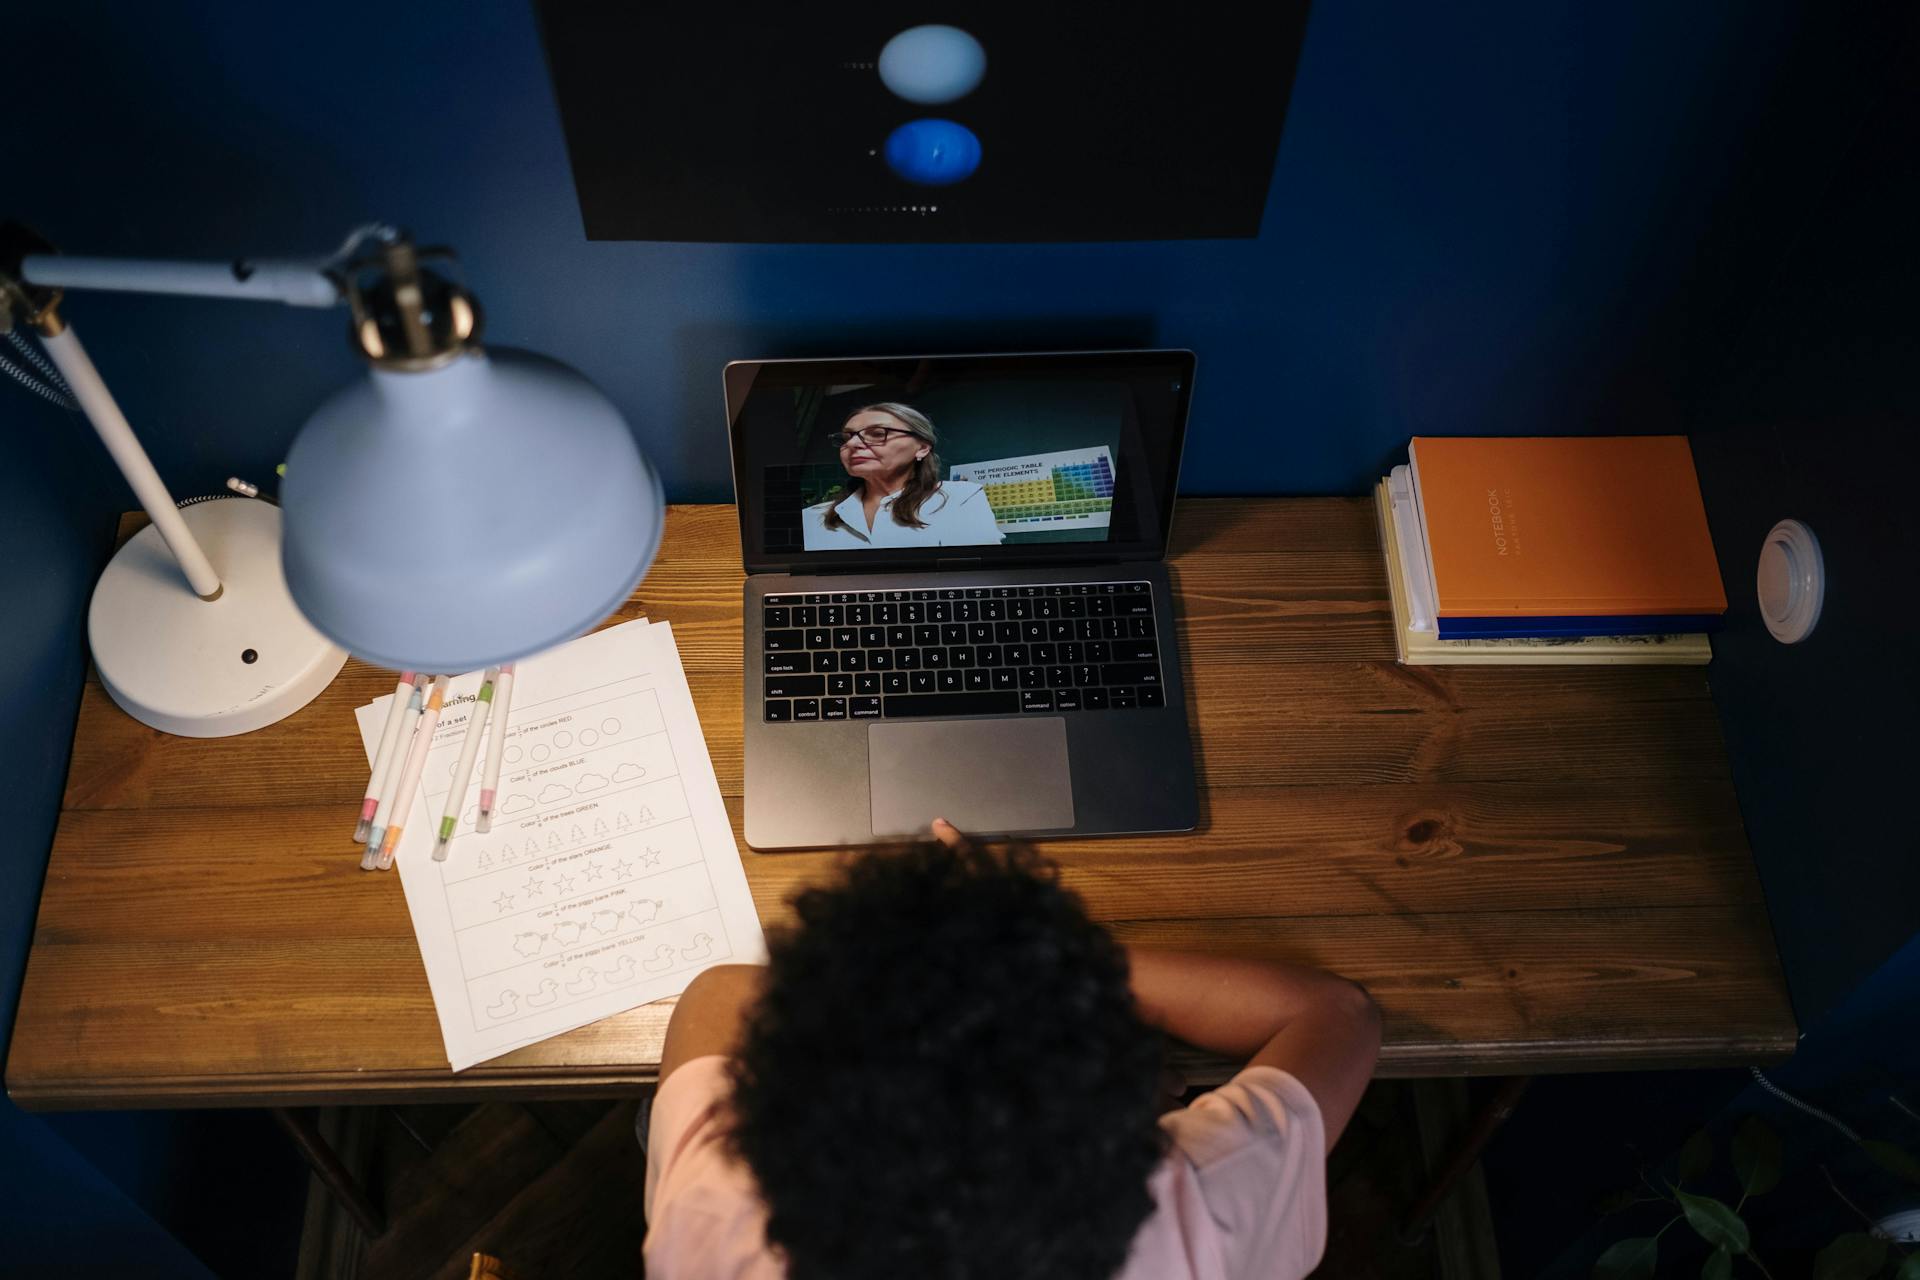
x=1629, y=1259
x=1892, y=1159
x=1719, y=1266
x=1617, y=1201
x=1756, y=1157
x=1718, y=1225
x=1854, y=1256
x=1696, y=1156
x=1910, y=1269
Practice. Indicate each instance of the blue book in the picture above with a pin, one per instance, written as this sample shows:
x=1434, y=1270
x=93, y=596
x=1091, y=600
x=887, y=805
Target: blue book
x=1512, y=627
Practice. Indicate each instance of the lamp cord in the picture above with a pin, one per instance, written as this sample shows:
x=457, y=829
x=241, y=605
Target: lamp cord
x=42, y=378
x=1792, y=1101
x=39, y=361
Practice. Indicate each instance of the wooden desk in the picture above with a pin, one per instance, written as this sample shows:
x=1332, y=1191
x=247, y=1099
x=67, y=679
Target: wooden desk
x=1533, y=869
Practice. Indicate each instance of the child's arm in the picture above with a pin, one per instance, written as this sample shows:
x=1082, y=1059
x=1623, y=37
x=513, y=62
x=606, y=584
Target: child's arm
x=1319, y=1028
x=709, y=1015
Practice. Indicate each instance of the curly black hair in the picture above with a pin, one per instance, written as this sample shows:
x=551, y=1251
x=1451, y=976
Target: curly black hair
x=946, y=1077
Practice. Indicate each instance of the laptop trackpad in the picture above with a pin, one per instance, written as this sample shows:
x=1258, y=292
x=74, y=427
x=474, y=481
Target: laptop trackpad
x=986, y=776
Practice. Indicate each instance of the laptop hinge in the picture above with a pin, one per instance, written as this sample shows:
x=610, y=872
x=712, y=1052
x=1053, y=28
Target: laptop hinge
x=957, y=563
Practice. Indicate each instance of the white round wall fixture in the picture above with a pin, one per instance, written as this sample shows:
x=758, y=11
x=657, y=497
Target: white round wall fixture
x=1791, y=581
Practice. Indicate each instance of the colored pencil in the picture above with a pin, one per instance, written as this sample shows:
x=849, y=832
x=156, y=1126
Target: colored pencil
x=396, y=716
x=410, y=776
x=463, y=771
x=496, y=748
x=384, y=813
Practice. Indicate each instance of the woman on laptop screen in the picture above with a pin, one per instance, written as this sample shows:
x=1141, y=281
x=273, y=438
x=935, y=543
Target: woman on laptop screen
x=893, y=496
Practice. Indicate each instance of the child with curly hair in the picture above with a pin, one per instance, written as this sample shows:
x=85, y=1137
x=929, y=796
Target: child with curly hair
x=948, y=1071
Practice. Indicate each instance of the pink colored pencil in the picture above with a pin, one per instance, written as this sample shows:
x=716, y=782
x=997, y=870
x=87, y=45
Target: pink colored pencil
x=389, y=738
x=416, y=765
x=496, y=748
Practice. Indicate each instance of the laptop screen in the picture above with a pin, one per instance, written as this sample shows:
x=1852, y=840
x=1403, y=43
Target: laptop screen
x=956, y=460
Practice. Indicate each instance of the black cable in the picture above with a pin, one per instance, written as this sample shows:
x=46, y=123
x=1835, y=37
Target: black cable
x=39, y=361
x=27, y=379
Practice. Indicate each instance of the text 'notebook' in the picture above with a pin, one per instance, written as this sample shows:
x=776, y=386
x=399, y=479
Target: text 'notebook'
x=1603, y=525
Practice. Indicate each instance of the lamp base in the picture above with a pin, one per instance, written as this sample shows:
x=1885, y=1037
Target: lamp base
x=208, y=668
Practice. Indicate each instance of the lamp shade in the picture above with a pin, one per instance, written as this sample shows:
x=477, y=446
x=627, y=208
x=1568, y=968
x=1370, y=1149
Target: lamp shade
x=466, y=515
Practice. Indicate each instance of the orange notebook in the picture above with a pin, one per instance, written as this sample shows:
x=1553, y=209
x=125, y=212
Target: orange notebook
x=1540, y=526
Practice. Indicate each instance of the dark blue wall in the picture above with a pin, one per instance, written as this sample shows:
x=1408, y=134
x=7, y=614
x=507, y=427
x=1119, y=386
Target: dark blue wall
x=1483, y=219
x=1474, y=211
x=1792, y=351
x=59, y=1215
x=1803, y=400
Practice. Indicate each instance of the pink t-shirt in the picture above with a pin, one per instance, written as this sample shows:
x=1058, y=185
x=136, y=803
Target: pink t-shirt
x=1241, y=1193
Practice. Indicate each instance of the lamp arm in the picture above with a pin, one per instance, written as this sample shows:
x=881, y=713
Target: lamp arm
x=298, y=284
x=429, y=320
x=98, y=404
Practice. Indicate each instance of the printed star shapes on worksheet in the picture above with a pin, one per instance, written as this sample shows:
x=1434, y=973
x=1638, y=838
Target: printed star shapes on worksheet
x=610, y=876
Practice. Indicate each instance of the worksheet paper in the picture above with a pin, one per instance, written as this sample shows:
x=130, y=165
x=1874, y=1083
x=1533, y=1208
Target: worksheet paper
x=610, y=877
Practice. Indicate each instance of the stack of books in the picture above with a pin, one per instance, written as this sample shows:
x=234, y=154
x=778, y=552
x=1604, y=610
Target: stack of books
x=1549, y=550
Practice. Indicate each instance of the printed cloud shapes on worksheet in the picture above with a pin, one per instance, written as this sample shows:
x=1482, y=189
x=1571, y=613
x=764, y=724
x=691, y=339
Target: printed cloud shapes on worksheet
x=610, y=877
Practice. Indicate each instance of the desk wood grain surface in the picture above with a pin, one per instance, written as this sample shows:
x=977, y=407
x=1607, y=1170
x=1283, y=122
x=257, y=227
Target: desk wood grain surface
x=1532, y=869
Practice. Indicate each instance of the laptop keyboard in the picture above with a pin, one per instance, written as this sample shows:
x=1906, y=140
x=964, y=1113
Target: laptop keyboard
x=960, y=651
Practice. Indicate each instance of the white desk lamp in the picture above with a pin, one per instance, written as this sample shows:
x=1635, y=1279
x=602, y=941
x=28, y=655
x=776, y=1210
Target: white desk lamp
x=451, y=510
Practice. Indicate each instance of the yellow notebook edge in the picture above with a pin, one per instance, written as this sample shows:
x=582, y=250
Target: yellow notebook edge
x=1390, y=551
x=1422, y=649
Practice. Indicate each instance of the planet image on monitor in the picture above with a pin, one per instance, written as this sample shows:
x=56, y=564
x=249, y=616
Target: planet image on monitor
x=905, y=124
x=933, y=153
x=932, y=64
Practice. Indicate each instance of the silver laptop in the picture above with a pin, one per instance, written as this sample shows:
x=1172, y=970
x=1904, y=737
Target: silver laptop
x=956, y=601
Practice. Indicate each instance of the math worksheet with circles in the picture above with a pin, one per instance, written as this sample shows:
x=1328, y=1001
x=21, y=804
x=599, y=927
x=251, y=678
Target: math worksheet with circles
x=608, y=876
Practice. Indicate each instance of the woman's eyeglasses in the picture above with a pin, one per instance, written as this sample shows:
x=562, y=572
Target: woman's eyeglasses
x=873, y=437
